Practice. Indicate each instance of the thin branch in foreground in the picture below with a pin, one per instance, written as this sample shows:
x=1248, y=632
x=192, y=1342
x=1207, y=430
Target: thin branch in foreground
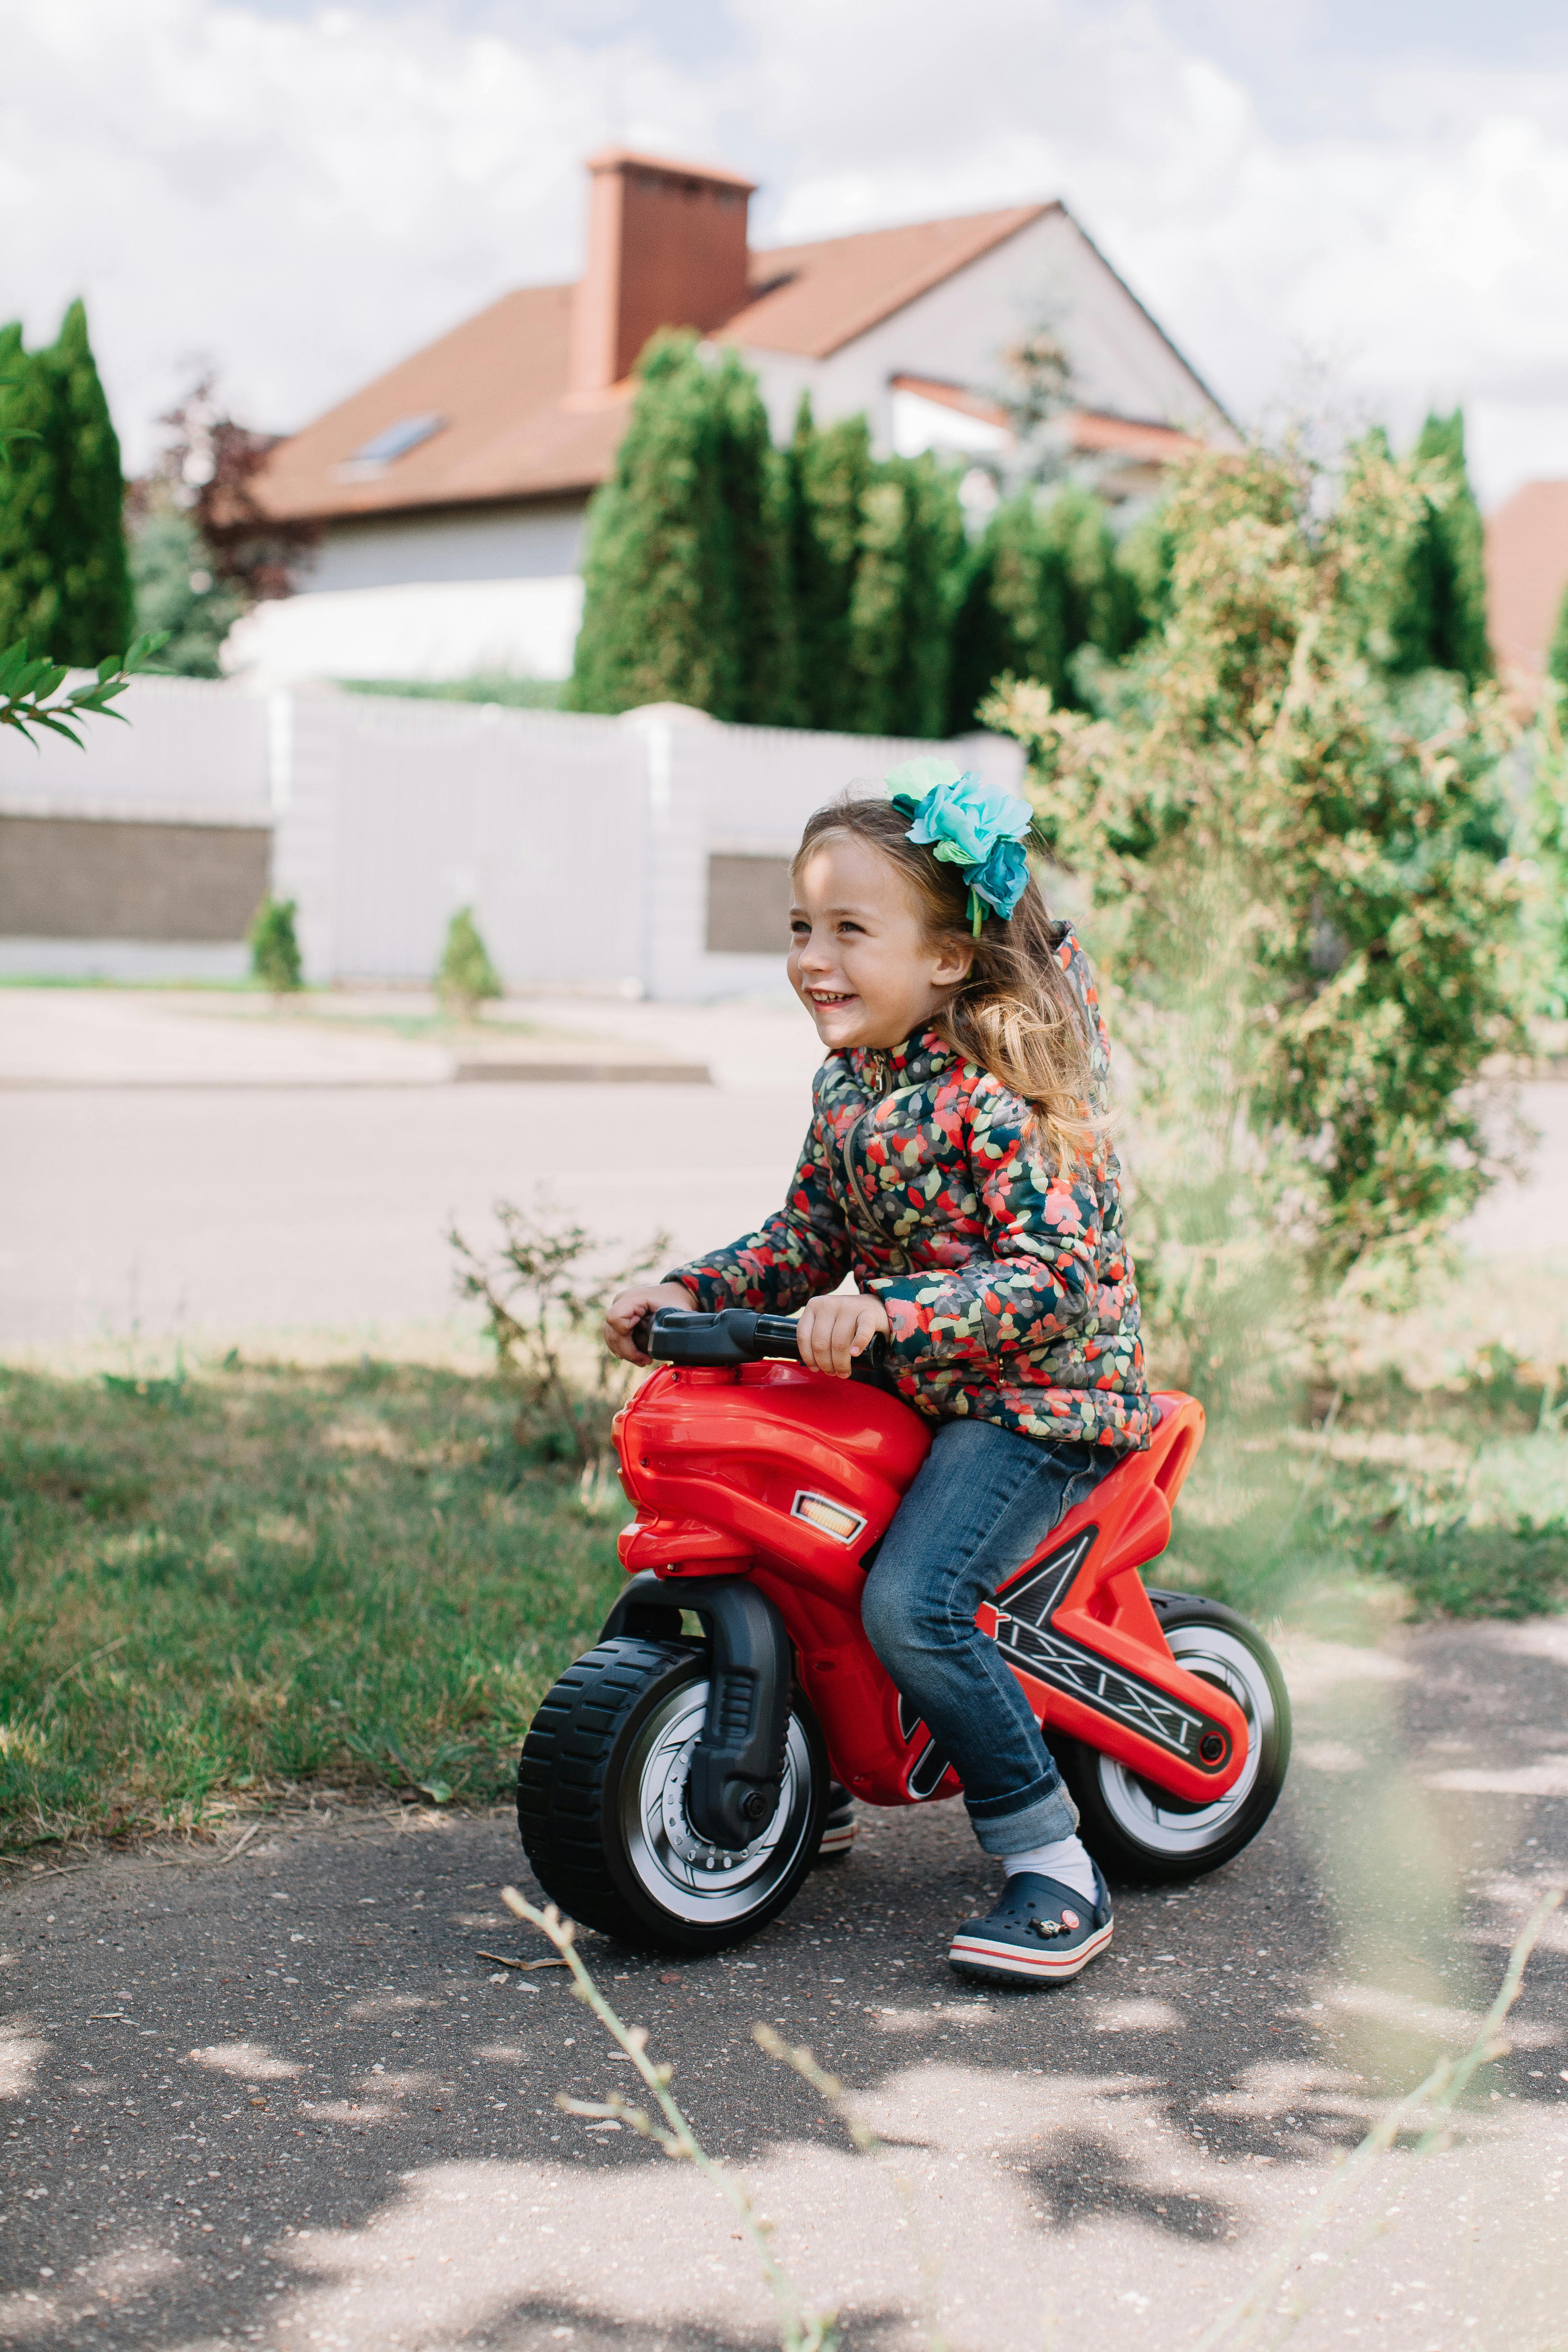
x=829, y=2088
x=1246, y=2318
x=800, y=2330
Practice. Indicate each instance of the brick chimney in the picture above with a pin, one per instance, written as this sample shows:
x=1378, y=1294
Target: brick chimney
x=667, y=248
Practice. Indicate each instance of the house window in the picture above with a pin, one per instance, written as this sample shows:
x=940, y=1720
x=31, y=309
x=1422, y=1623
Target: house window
x=397, y=440
x=748, y=904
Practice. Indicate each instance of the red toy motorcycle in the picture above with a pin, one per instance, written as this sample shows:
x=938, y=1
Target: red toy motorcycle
x=674, y=1790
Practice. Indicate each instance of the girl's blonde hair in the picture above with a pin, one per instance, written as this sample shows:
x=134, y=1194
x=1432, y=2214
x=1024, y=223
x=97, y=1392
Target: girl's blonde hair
x=1018, y=1013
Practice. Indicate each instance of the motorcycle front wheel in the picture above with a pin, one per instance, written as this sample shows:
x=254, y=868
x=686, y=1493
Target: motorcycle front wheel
x=1139, y=1833
x=600, y=1804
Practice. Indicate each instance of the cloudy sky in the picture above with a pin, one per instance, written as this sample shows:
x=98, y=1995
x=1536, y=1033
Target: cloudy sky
x=1357, y=202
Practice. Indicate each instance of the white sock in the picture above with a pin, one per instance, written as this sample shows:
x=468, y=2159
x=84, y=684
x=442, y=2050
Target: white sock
x=1066, y=1860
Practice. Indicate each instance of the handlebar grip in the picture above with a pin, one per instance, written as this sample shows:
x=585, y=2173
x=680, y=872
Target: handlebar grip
x=642, y=1333
x=736, y=1335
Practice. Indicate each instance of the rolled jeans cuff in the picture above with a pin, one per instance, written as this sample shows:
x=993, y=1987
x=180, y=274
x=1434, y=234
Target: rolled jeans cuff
x=1036, y=1815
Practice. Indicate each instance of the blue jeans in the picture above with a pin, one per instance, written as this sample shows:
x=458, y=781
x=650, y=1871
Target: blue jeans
x=983, y=1501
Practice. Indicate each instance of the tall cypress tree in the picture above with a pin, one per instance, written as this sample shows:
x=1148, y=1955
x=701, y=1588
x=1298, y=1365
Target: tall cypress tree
x=1041, y=582
x=813, y=587
x=876, y=548
x=754, y=494
x=1557, y=656
x=30, y=591
x=1440, y=621
x=65, y=582
x=877, y=606
x=1013, y=615
x=88, y=552
x=658, y=588
x=828, y=474
x=1100, y=598
x=933, y=558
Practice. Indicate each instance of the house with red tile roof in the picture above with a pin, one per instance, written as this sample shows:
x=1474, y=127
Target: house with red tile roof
x=450, y=493
x=1527, y=579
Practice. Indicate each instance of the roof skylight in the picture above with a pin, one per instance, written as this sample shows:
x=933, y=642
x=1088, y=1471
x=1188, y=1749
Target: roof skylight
x=397, y=440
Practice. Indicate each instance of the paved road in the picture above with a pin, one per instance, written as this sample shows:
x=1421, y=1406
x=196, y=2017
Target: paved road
x=280, y=2100
x=228, y=1186
x=297, y=1179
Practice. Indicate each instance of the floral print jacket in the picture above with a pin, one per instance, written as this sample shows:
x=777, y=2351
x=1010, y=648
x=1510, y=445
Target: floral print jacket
x=1009, y=1290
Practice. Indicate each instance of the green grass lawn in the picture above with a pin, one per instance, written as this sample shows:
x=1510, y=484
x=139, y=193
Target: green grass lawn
x=214, y=1589
x=268, y=1576
x=1447, y=1501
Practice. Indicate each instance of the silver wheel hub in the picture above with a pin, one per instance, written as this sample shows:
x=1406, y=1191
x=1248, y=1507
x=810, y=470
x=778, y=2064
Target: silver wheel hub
x=1164, y=1824
x=685, y=1873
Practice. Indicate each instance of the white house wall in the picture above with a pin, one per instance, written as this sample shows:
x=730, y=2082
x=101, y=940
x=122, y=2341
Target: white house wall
x=541, y=541
x=426, y=597
x=958, y=333
x=427, y=630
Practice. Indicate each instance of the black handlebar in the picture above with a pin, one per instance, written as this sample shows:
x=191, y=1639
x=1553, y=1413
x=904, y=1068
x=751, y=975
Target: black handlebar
x=735, y=1336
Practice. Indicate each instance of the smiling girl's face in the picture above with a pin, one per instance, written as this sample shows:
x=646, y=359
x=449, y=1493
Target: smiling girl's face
x=860, y=958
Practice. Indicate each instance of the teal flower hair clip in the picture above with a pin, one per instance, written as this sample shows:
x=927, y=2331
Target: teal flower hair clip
x=977, y=828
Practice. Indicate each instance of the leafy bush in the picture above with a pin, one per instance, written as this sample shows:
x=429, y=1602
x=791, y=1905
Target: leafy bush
x=178, y=594
x=274, y=949
x=544, y=1293
x=1301, y=891
x=466, y=978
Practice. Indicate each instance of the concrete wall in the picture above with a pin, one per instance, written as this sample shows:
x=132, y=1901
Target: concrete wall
x=123, y=879
x=540, y=541
x=142, y=856
x=644, y=852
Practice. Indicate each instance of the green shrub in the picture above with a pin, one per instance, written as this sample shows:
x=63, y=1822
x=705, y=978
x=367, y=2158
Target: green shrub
x=1300, y=893
x=274, y=950
x=466, y=977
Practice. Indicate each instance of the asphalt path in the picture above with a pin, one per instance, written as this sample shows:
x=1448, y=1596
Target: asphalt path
x=274, y=2094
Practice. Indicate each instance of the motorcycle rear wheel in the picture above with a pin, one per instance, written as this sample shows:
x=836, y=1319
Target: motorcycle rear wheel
x=1141, y=1834
x=600, y=1804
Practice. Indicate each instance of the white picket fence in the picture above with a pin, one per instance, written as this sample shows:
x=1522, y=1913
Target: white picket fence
x=582, y=843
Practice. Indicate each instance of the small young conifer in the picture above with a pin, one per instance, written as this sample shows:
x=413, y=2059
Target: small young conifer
x=466, y=977
x=274, y=947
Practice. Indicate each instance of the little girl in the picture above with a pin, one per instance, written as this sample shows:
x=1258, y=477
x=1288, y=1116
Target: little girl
x=957, y=1168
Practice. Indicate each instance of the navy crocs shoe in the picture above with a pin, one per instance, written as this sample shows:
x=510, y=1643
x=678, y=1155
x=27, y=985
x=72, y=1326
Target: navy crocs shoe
x=1040, y=1932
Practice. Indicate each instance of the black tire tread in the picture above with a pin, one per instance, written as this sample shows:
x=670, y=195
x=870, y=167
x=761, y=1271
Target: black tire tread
x=561, y=1773
x=565, y=1799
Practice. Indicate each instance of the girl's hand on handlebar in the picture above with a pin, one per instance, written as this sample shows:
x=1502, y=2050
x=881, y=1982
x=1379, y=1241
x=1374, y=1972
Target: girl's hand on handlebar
x=832, y=1332
x=628, y=1311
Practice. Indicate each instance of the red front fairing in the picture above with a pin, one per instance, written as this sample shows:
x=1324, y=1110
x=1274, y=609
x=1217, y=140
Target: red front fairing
x=719, y=1466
